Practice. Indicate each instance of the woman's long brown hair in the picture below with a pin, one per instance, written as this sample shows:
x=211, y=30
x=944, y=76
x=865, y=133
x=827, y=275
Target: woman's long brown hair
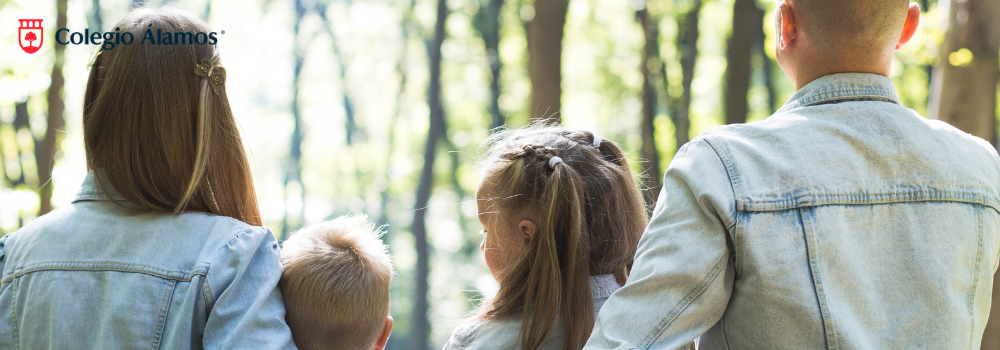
x=589, y=215
x=161, y=136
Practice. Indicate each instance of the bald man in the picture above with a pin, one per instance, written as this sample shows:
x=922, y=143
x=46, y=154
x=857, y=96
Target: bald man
x=843, y=221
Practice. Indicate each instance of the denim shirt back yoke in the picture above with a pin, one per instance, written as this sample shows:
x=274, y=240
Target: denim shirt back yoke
x=105, y=274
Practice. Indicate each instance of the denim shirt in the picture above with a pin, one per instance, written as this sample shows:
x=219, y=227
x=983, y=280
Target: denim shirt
x=843, y=221
x=503, y=334
x=105, y=275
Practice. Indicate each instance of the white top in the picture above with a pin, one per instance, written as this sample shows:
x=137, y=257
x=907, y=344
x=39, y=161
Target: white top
x=503, y=334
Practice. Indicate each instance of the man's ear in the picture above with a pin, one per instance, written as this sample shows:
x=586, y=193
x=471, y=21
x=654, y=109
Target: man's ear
x=910, y=27
x=786, y=25
x=527, y=229
x=384, y=336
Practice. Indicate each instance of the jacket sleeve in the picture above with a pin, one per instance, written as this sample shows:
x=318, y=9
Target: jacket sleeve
x=248, y=312
x=682, y=276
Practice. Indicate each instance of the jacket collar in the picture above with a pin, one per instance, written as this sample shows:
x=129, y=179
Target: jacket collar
x=90, y=190
x=843, y=87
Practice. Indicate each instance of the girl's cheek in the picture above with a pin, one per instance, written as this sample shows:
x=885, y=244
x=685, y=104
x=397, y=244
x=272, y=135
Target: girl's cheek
x=491, y=264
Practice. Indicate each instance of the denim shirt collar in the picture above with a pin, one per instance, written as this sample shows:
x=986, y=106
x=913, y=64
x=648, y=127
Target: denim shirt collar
x=843, y=87
x=91, y=191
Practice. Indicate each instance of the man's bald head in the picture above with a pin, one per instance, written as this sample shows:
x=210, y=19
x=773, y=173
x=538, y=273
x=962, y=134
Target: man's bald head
x=852, y=27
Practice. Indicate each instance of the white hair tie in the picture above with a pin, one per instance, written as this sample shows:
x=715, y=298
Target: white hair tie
x=553, y=161
x=597, y=141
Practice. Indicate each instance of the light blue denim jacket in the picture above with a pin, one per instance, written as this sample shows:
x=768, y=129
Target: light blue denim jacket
x=99, y=275
x=843, y=221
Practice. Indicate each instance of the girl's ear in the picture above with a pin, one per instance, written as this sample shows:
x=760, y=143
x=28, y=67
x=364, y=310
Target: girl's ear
x=527, y=229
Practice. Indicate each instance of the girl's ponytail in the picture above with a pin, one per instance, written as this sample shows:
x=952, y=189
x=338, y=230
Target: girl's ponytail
x=559, y=284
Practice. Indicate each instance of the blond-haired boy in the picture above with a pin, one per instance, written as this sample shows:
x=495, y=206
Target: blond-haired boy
x=335, y=281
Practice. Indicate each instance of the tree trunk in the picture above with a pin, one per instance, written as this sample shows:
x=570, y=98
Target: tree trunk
x=545, y=35
x=421, y=328
x=293, y=169
x=207, y=11
x=350, y=124
x=97, y=21
x=45, y=155
x=487, y=23
x=766, y=64
x=21, y=121
x=966, y=95
x=5, y=180
x=929, y=67
x=650, y=58
x=746, y=21
x=687, y=45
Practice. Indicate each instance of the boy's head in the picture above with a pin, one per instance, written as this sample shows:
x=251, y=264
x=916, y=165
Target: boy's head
x=820, y=37
x=335, y=280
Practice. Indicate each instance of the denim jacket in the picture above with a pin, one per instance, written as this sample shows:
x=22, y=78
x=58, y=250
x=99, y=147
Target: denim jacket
x=504, y=334
x=105, y=275
x=843, y=221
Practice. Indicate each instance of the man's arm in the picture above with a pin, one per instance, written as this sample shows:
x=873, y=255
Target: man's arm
x=682, y=277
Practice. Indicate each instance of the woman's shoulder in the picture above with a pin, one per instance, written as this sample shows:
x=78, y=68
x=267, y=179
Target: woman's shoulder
x=478, y=333
x=122, y=235
x=494, y=334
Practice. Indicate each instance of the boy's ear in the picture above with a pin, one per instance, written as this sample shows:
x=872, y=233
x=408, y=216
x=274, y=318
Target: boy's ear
x=527, y=229
x=786, y=25
x=384, y=336
x=910, y=27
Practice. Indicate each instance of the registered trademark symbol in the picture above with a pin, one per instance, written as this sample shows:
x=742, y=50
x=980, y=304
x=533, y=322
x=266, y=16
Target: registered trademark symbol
x=223, y=32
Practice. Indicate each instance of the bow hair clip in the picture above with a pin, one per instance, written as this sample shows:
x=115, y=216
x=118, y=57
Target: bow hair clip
x=216, y=75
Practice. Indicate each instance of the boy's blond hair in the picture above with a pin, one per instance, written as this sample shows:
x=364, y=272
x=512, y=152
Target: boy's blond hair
x=335, y=280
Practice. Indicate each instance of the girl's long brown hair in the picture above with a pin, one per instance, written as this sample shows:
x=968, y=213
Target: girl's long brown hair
x=161, y=136
x=589, y=216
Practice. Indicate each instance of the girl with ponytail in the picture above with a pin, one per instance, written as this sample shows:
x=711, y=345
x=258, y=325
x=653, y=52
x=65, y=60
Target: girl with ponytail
x=562, y=218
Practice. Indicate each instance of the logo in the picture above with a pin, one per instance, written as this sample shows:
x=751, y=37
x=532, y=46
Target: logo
x=108, y=40
x=29, y=35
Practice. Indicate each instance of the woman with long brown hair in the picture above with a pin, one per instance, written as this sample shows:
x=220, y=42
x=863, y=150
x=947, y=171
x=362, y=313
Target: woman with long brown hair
x=562, y=217
x=163, y=246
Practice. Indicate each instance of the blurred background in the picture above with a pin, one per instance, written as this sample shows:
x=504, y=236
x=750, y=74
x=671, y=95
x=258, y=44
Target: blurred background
x=378, y=106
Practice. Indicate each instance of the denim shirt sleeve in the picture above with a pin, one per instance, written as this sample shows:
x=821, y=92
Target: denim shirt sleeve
x=682, y=277
x=248, y=312
x=453, y=343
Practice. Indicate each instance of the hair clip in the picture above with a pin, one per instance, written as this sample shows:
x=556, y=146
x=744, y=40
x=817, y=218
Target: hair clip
x=553, y=161
x=215, y=75
x=93, y=57
x=597, y=141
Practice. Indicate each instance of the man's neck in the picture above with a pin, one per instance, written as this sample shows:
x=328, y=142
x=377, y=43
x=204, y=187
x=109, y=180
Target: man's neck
x=818, y=67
